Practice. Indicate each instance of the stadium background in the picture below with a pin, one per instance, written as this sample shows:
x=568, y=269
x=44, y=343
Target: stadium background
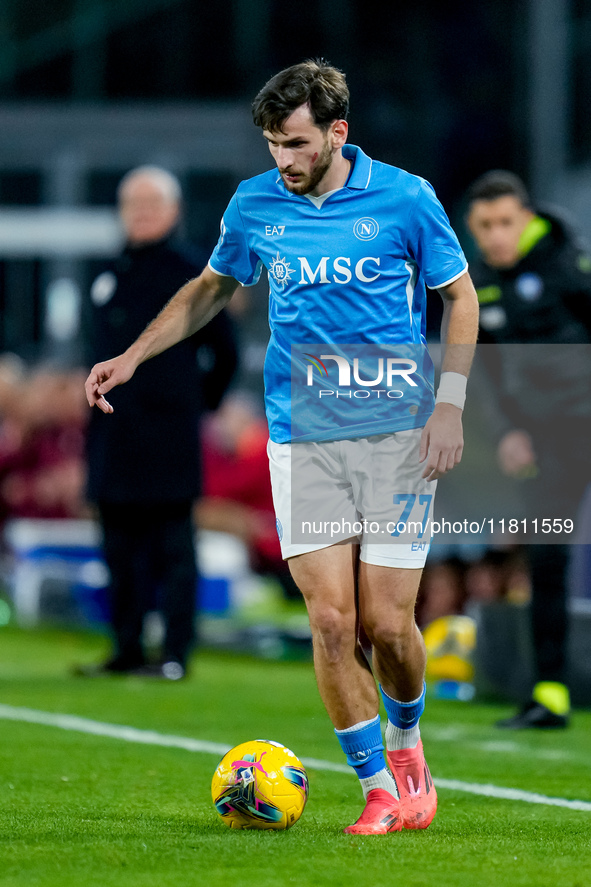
x=90, y=88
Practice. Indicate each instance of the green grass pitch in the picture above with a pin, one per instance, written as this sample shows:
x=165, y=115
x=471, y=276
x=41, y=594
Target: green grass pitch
x=93, y=811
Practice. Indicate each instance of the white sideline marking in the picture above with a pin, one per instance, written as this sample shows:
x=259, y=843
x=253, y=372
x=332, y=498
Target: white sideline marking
x=510, y=794
x=151, y=737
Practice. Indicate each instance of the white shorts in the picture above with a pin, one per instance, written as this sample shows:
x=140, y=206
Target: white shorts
x=367, y=490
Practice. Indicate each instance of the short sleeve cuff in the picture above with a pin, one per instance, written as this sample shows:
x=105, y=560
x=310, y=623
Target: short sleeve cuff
x=215, y=271
x=436, y=286
x=255, y=279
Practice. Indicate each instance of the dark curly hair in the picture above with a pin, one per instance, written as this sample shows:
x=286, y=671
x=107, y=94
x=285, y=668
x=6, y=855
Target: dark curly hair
x=314, y=83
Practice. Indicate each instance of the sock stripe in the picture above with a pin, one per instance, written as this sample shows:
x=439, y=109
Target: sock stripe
x=364, y=748
x=404, y=715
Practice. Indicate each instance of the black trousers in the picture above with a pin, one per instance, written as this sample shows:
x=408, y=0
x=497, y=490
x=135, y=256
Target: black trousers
x=563, y=450
x=149, y=550
x=549, y=617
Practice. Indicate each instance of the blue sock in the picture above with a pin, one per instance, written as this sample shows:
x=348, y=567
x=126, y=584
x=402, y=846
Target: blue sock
x=404, y=715
x=363, y=747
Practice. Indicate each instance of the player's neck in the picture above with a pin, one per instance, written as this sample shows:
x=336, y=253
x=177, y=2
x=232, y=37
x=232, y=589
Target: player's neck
x=335, y=177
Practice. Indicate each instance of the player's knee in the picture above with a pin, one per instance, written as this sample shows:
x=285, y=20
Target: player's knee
x=333, y=631
x=396, y=640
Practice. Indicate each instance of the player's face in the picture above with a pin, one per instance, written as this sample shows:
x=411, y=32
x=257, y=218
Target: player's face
x=496, y=226
x=148, y=214
x=303, y=152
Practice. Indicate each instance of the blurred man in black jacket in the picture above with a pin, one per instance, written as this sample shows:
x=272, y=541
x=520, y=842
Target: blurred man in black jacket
x=534, y=287
x=144, y=465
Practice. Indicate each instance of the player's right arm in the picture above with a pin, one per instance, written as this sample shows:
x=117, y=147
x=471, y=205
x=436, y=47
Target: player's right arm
x=191, y=308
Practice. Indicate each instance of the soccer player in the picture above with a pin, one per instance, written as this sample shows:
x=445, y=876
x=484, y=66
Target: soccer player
x=350, y=245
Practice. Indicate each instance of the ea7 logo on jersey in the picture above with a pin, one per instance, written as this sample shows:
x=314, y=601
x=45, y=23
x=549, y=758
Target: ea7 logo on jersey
x=341, y=270
x=274, y=230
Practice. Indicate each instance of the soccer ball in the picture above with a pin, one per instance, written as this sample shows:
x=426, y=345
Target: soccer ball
x=260, y=785
x=450, y=643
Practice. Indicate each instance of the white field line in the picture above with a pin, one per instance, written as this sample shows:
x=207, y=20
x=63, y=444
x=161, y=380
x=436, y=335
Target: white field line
x=498, y=746
x=151, y=737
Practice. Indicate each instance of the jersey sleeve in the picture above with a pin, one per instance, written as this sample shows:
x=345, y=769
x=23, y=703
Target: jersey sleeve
x=432, y=241
x=232, y=256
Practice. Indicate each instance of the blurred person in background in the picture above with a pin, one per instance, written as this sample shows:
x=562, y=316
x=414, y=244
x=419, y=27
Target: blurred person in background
x=237, y=496
x=499, y=575
x=144, y=462
x=42, y=431
x=442, y=591
x=533, y=280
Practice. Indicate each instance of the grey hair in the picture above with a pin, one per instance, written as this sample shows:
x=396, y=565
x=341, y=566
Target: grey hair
x=165, y=180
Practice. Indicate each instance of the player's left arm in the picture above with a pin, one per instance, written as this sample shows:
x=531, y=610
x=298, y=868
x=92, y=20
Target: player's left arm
x=442, y=441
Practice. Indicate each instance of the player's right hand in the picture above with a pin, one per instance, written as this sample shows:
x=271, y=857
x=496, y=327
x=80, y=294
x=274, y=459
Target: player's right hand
x=104, y=376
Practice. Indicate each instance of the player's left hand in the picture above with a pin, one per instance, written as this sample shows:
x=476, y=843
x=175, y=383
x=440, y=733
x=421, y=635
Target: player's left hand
x=442, y=441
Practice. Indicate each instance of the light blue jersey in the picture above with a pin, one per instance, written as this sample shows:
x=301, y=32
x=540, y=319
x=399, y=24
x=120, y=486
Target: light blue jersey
x=349, y=272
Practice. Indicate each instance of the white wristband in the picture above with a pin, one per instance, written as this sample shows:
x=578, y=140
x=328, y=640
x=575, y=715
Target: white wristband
x=452, y=389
